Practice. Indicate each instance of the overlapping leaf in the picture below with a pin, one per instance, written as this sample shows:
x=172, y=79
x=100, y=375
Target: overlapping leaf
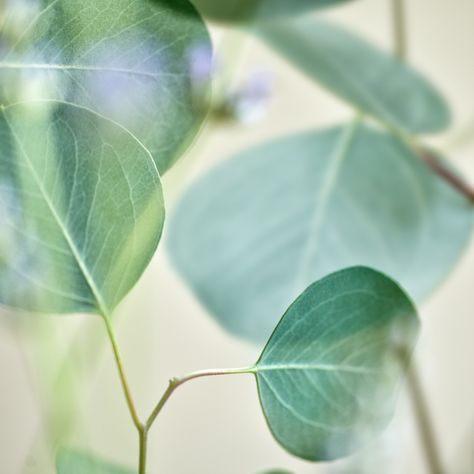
x=71, y=461
x=361, y=74
x=330, y=373
x=250, y=235
x=138, y=62
x=81, y=209
x=242, y=10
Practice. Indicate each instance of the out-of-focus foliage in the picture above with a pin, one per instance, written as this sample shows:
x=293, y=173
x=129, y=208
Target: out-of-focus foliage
x=82, y=209
x=255, y=231
x=71, y=461
x=139, y=63
x=360, y=74
x=261, y=10
x=330, y=373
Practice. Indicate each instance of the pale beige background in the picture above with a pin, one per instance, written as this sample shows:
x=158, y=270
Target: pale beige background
x=215, y=426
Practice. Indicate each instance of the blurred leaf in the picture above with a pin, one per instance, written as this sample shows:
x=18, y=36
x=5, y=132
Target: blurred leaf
x=250, y=235
x=361, y=74
x=277, y=471
x=139, y=63
x=81, y=214
x=71, y=461
x=241, y=10
x=330, y=373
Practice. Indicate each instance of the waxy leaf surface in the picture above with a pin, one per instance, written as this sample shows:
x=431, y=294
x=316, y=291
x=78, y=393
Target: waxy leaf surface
x=76, y=462
x=261, y=10
x=361, y=74
x=140, y=63
x=254, y=232
x=81, y=209
x=331, y=371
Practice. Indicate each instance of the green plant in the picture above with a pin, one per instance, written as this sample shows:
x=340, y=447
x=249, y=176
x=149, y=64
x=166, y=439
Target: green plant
x=303, y=230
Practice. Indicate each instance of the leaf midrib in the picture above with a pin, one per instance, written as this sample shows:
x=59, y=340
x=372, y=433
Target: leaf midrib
x=321, y=202
x=85, y=68
x=101, y=306
x=315, y=367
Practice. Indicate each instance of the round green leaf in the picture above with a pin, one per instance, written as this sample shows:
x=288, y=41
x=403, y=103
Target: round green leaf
x=140, y=63
x=70, y=461
x=330, y=373
x=241, y=10
x=81, y=209
x=361, y=74
x=250, y=235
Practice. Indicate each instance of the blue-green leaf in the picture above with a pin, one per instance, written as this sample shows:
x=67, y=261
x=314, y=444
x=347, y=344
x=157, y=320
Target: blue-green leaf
x=241, y=10
x=140, y=63
x=81, y=209
x=250, y=235
x=277, y=471
x=70, y=461
x=330, y=373
x=361, y=74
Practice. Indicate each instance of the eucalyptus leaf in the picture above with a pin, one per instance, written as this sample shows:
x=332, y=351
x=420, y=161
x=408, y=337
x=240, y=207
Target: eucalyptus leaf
x=71, y=461
x=277, y=471
x=252, y=233
x=140, y=63
x=244, y=10
x=81, y=209
x=359, y=73
x=331, y=371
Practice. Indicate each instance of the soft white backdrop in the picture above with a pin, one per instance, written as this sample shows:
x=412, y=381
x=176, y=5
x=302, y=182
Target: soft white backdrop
x=216, y=426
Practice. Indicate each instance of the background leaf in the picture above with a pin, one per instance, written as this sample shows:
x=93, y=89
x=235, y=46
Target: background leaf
x=360, y=74
x=330, y=373
x=82, y=213
x=253, y=233
x=241, y=10
x=71, y=461
x=139, y=63
x=277, y=471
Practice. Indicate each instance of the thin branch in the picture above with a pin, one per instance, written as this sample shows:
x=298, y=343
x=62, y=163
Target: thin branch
x=176, y=382
x=424, y=422
x=123, y=379
x=143, y=436
x=445, y=173
x=399, y=29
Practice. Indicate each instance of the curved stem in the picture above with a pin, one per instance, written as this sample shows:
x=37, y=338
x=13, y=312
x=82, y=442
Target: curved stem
x=399, y=29
x=123, y=379
x=176, y=382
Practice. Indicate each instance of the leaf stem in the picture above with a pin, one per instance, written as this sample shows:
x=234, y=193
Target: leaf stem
x=178, y=381
x=420, y=409
x=399, y=29
x=425, y=427
x=429, y=158
x=123, y=379
x=432, y=161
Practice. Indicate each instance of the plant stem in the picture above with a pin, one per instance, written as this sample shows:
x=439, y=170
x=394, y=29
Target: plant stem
x=445, y=173
x=176, y=382
x=414, y=386
x=430, y=159
x=143, y=436
x=423, y=422
x=123, y=379
x=399, y=29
